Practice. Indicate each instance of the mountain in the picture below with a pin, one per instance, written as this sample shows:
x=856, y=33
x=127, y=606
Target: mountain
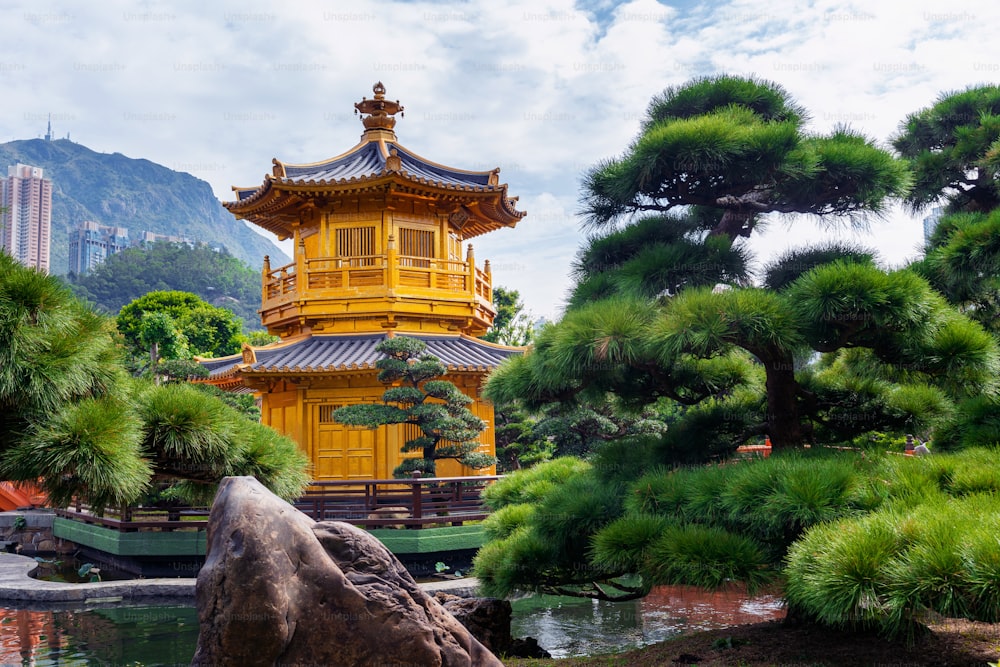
x=139, y=195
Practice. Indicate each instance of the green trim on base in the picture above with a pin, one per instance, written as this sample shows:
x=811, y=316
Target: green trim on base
x=145, y=543
x=430, y=540
x=190, y=543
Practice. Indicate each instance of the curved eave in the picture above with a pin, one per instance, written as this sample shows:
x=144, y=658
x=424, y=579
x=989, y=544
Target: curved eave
x=263, y=206
x=285, y=371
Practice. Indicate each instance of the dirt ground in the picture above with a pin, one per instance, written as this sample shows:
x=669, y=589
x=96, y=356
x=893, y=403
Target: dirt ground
x=949, y=643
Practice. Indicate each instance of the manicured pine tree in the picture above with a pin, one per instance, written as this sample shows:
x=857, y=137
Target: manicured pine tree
x=448, y=429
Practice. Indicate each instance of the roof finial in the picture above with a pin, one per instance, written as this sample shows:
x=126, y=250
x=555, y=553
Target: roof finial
x=377, y=114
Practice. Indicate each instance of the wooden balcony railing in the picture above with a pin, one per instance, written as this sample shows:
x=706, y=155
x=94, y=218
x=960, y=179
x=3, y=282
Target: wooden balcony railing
x=413, y=503
x=374, y=272
x=135, y=519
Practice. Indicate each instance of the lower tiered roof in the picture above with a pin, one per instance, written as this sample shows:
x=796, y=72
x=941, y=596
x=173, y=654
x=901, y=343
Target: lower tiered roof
x=331, y=354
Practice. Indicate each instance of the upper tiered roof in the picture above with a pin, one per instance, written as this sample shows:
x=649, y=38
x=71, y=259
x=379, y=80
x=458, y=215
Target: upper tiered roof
x=378, y=163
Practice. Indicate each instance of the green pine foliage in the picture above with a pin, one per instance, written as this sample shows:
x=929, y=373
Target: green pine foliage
x=53, y=350
x=861, y=541
x=503, y=522
x=182, y=426
x=519, y=562
x=833, y=350
x=951, y=148
x=962, y=261
x=654, y=256
x=736, y=144
x=274, y=459
x=975, y=421
x=790, y=265
x=71, y=417
x=546, y=552
x=533, y=484
x=90, y=448
x=705, y=556
x=624, y=544
x=886, y=569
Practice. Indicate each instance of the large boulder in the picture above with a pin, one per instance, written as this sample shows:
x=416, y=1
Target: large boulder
x=279, y=588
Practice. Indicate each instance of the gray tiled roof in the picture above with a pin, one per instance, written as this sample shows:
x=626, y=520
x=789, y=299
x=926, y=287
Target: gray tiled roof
x=368, y=161
x=329, y=353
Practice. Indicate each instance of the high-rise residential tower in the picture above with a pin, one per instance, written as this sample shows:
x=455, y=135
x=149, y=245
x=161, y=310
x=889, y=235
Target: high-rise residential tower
x=91, y=243
x=26, y=218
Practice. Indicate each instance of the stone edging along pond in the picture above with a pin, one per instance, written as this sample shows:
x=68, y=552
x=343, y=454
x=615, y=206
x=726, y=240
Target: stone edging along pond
x=17, y=585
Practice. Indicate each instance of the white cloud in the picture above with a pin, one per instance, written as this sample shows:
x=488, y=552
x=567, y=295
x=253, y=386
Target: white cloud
x=542, y=88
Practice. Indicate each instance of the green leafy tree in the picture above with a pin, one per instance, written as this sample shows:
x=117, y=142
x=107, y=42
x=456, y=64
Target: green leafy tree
x=511, y=326
x=159, y=334
x=207, y=330
x=737, y=146
x=436, y=407
x=260, y=338
x=71, y=416
x=517, y=443
x=211, y=331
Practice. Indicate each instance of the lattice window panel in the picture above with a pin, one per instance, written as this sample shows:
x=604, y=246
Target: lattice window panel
x=356, y=244
x=326, y=413
x=416, y=243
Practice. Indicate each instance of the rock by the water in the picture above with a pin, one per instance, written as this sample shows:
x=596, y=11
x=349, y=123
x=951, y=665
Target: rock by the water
x=488, y=619
x=279, y=588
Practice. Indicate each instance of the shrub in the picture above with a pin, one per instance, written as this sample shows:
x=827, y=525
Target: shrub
x=705, y=556
x=622, y=545
x=884, y=570
x=836, y=573
x=507, y=519
x=533, y=484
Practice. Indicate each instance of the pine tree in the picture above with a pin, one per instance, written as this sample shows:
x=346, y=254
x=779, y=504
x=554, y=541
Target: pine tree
x=448, y=429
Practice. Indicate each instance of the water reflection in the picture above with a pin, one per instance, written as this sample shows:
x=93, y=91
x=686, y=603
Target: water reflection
x=111, y=634
x=569, y=626
x=115, y=634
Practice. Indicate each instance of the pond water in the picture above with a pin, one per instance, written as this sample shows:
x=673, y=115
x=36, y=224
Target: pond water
x=74, y=571
x=111, y=633
x=566, y=626
x=103, y=634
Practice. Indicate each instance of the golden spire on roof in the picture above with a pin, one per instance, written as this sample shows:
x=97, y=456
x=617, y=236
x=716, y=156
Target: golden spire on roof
x=380, y=111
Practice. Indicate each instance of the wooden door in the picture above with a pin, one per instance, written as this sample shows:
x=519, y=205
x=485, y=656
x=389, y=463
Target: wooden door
x=341, y=452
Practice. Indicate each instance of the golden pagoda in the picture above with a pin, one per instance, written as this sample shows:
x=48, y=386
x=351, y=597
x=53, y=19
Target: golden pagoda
x=377, y=236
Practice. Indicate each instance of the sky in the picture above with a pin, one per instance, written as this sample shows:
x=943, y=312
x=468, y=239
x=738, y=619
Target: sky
x=542, y=89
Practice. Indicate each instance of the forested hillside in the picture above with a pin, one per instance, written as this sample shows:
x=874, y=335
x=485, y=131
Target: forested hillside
x=217, y=277
x=139, y=195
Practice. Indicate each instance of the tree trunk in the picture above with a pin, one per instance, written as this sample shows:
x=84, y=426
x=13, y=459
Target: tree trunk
x=734, y=224
x=784, y=424
x=154, y=360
